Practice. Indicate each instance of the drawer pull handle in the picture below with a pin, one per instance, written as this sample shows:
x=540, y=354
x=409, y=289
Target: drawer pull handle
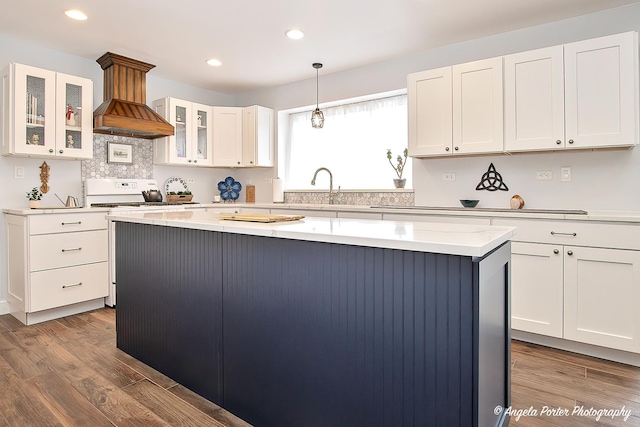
x=71, y=286
x=71, y=223
x=71, y=250
x=553, y=233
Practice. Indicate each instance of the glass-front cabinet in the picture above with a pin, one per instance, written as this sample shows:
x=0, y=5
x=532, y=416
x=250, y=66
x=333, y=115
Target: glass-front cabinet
x=191, y=143
x=46, y=114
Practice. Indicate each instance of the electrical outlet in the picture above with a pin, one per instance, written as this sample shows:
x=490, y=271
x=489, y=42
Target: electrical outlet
x=544, y=176
x=449, y=176
x=565, y=174
x=191, y=181
x=269, y=180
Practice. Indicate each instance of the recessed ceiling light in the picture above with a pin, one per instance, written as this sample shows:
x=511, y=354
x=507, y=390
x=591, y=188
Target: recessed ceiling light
x=214, y=62
x=76, y=14
x=294, y=34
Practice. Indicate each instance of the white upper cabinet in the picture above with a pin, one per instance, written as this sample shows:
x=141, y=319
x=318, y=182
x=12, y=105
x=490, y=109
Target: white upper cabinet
x=430, y=100
x=580, y=95
x=46, y=114
x=456, y=110
x=191, y=143
x=258, y=148
x=601, y=86
x=534, y=100
x=477, y=107
x=227, y=136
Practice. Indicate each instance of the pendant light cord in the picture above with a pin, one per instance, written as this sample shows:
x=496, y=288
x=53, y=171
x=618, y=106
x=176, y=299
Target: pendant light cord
x=317, y=88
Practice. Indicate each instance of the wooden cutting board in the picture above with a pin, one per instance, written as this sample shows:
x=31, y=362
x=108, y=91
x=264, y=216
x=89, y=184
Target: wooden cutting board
x=256, y=217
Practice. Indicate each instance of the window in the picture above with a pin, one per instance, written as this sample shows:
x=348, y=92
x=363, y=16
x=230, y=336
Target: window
x=352, y=144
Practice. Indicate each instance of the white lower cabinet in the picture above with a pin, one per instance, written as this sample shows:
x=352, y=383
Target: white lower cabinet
x=57, y=264
x=537, y=288
x=586, y=294
x=601, y=294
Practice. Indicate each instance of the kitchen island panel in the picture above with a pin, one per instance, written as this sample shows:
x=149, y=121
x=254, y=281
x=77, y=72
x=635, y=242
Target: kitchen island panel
x=292, y=331
x=169, y=311
x=380, y=336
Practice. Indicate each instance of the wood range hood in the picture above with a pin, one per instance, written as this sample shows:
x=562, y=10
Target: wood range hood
x=124, y=111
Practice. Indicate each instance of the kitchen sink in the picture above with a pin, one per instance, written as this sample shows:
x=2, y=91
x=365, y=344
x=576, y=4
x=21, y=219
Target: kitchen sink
x=441, y=208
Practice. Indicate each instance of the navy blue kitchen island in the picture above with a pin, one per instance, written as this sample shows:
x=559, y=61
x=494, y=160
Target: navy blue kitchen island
x=290, y=325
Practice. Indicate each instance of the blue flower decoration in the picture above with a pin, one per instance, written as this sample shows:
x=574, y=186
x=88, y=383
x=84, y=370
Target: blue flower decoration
x=229, y=189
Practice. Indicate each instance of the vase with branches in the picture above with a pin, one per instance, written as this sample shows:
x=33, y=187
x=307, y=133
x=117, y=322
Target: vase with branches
x=398, y=167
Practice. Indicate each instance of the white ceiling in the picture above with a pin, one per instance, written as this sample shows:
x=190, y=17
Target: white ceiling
x=248, y=35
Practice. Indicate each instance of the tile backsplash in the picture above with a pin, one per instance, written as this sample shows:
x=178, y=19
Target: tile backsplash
x=366, y=198
x=98, y=167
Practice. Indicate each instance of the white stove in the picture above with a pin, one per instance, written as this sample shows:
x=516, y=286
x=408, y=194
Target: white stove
x=122, y=195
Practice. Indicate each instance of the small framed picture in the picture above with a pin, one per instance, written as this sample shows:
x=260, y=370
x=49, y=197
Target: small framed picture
x=119, y=153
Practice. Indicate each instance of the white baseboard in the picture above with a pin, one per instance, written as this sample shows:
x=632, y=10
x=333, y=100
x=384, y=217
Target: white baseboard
x=576, y=347
x=4, y=307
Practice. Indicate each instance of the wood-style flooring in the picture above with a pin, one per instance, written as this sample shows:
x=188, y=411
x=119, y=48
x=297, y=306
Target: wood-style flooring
x=68, y=372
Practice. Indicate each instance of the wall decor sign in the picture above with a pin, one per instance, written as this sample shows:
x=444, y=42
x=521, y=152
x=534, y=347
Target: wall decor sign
x=119, y=153
x=492, y=181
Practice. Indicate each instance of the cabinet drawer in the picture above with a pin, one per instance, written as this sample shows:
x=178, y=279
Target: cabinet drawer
x=64, y=223
x=578, y=233
x=64, y=286
x=47, y=251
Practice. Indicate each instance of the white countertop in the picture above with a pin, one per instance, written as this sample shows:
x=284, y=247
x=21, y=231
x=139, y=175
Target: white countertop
x=592, y=215
x=51, y=210
x=455, y=239
x=596, y=215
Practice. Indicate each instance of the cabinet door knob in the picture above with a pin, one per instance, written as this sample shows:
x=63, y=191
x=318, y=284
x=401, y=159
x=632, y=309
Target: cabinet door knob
x=251, y=162
x=189, y=160
x=60, y=151
x=569, y=253
x=447, y=149
x=51, y=150
x=558, y=142
x=238, y=162
x=455, y=148
x=571, y=141
x=555, y=251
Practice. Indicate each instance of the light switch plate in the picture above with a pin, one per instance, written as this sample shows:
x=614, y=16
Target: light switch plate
x=18, y=172
x=565, y=174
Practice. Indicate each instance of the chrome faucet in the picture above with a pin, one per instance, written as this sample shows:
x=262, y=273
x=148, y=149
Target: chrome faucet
x=332, y=195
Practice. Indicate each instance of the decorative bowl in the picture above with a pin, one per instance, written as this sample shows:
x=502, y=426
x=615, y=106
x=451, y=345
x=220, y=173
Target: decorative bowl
x=469, y=203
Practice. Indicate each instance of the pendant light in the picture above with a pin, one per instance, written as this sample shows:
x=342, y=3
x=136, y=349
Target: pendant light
x=317, y=118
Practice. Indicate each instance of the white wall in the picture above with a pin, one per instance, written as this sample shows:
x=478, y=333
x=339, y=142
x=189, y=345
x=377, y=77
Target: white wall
x=65, y=177
x=601, y=179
